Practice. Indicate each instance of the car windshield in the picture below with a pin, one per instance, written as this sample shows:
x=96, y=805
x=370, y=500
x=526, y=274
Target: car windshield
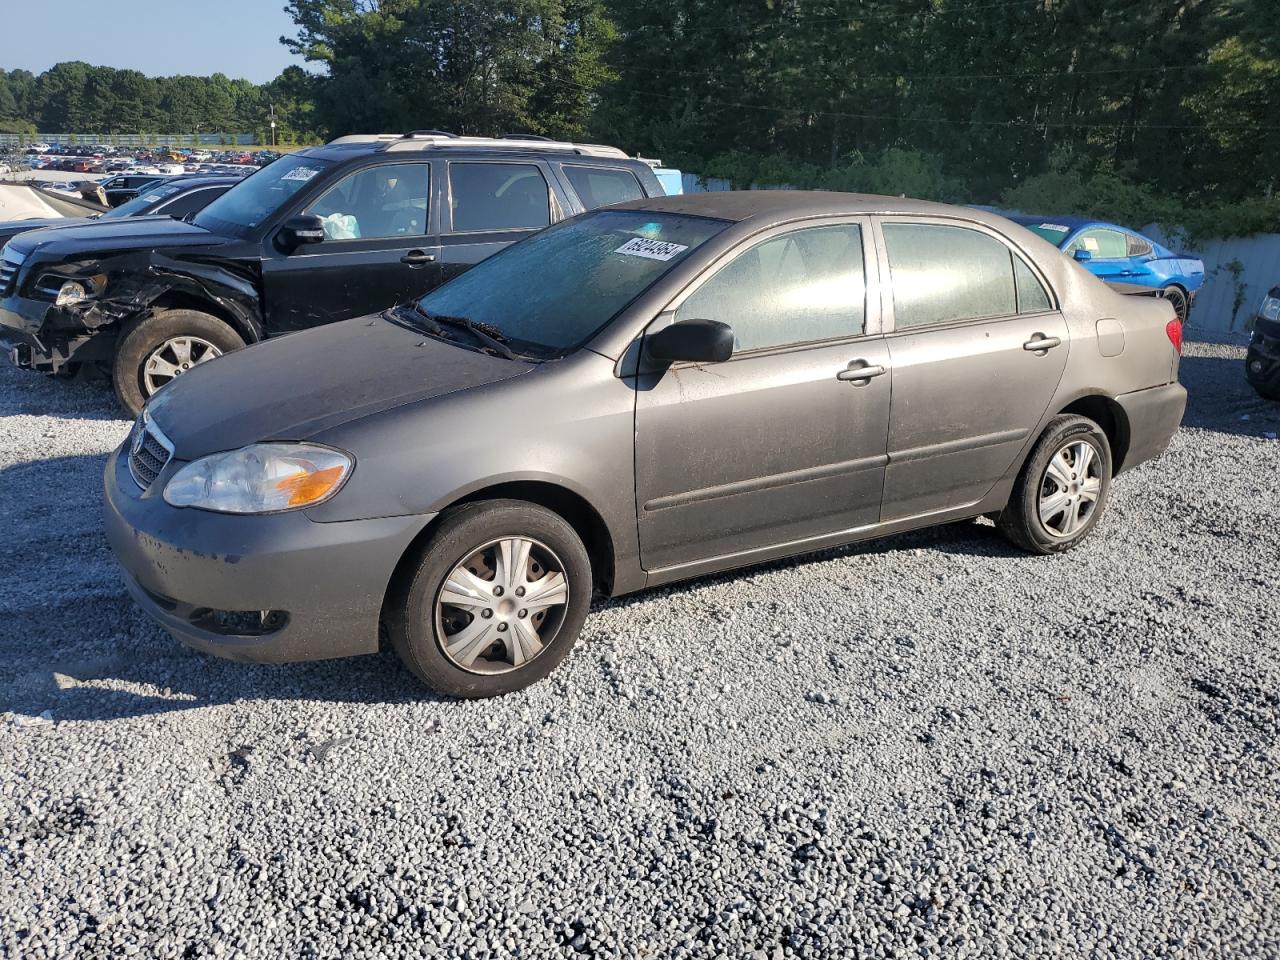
x=550, y=293
x=142, y=202
x=1055, y=233
x=252, y=201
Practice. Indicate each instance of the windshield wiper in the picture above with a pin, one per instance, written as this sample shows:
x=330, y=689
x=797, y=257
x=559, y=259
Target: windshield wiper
x=486, y=333
x=421, y=320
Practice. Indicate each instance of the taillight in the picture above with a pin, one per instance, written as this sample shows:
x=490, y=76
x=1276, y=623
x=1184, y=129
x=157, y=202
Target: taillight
x=1173, y=330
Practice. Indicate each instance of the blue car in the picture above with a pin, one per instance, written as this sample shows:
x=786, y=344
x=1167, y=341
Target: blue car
x=1127, y=261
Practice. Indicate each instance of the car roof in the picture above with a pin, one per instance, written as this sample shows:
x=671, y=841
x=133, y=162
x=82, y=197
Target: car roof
x=419, y=141
x=775, y=205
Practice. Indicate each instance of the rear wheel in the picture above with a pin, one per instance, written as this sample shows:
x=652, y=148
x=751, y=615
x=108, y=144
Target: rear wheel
x=159, y=348
x=1178, y=297
x=495, y=600
x=1062, y=490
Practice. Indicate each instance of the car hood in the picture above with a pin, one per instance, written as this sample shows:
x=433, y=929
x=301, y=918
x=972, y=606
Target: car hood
x=299, y=385
x=105, y=237
x=11, y=228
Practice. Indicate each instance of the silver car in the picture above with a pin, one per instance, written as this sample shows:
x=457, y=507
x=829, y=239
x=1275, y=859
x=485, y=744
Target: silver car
x=646, y=393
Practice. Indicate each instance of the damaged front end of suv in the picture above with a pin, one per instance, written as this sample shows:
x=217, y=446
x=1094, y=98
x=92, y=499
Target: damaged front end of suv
x=67, y=307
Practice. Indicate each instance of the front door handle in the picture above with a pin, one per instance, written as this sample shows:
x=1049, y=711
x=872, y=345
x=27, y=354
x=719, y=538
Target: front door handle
x=415, y=258
x=1040, y=343
x=860, y=372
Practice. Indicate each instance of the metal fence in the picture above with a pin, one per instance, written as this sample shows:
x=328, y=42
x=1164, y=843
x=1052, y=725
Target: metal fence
x=1238, y=270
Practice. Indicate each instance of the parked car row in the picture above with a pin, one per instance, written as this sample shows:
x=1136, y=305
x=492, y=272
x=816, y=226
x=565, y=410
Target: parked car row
x=534, y=376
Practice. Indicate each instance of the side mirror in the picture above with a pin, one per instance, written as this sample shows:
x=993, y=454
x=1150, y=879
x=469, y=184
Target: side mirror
x=697, y=341
x=297, y=231
x=1082, y=255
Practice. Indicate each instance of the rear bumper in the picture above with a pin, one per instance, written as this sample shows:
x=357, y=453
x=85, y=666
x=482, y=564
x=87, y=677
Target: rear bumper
x=1153, y=417
x=324, y=581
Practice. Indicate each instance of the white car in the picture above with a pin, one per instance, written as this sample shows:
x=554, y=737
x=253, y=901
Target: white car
x=171, y=169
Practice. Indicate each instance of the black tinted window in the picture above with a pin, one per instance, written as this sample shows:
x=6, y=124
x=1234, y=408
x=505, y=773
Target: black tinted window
x=1138, y=246
x=601, y=186
x=191, y=202
x=800, y=287
x=943, y=273
x=498, y=196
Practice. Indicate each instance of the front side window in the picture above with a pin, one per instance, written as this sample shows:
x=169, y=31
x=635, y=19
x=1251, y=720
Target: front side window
x=800, y=287
x=943, y=274
x=601, y=186
x=498, y=196
x=254, y=199
x=389, y=200
x=552, y=292
x=1103, y=244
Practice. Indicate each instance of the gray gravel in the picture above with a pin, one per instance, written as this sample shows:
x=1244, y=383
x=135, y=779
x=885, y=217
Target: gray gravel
x=928, y=746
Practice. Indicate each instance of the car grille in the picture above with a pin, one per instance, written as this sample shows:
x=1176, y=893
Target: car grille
x=9, y=273
x=149, y=452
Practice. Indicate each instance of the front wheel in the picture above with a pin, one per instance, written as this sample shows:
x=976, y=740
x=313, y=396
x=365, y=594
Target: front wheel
x=494, y=601
x=159, y=348
x=1062, y=490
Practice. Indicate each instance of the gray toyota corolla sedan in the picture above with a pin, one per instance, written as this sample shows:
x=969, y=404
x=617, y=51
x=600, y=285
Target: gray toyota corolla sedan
x=645, y=393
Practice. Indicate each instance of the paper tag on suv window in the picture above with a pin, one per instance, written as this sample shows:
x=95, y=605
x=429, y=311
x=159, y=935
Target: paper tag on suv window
x=651, y=249
x=300, y=173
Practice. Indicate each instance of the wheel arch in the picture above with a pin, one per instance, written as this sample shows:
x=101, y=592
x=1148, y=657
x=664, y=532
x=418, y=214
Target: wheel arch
x=1110, y=416
x=184, y=300
x=569, y=505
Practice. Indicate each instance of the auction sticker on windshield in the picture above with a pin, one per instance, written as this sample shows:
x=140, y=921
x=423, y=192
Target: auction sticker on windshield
x=651, y=249
x=300, y=173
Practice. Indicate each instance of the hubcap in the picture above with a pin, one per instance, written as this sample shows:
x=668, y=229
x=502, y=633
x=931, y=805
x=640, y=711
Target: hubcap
x=173, y=358
x=501, y=606
x=1070, y=488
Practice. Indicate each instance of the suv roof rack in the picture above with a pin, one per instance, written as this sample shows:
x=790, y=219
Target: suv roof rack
x=431, y=139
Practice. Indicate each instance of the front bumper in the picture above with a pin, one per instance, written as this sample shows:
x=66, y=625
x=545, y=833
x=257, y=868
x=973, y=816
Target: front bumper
x=1153, y=417
x=1262, y=362
x=328, y=579
x=40, y=336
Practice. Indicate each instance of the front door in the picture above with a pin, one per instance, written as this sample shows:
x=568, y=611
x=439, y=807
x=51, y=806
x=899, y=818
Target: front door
x=377, y=251
x=977, y=348
x=786, y=440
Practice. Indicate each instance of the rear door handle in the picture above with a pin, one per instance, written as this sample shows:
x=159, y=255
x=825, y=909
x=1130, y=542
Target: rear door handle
x=416, y=258
x=1040, y=343
x=860, y=372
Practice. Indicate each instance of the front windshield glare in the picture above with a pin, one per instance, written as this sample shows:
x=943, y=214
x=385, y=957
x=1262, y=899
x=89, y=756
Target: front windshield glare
x=553, y=291
x=255, y=198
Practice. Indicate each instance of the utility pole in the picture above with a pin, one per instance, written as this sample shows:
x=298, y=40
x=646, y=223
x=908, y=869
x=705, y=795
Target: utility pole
x=273, y=125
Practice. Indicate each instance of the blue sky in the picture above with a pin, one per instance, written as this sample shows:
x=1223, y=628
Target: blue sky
x=240, y=38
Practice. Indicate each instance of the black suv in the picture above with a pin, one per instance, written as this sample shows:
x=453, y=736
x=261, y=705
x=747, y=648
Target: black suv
x=323, y=234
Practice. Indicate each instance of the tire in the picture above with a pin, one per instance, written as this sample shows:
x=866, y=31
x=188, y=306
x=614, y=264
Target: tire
x=149, y=335
x=1181, y=303
x=434, y=640
x=1037, y=486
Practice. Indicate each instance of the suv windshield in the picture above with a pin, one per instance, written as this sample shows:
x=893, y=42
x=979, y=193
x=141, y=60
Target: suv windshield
x=249, y=203
x=586, y=271
x=147, y=198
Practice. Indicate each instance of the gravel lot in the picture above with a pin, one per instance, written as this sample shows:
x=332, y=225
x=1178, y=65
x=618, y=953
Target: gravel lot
x=927, y=746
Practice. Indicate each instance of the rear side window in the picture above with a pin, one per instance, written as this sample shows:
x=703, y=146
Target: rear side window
x=1032, y=297
x=800, y=287
x=601, y=186
x=943, y=274
x=1138, y=246
x=388, y=200
x=498, y=196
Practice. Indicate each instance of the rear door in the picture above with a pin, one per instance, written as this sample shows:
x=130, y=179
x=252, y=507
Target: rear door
x=377, y=251
x=489, y=204
x=978, y=347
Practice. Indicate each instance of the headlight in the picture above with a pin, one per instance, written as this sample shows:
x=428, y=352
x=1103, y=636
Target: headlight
x=69, y=293
x=1270, y=308
x=263, y=478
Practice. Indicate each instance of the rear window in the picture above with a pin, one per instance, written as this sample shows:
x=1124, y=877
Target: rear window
x=601, y=186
